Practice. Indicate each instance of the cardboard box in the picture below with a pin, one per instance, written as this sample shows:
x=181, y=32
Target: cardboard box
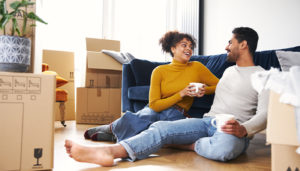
x=62, y=63
x=102, y=71
x=27, y=121
x=98, y=105
x=284, y=157
x=282, y=134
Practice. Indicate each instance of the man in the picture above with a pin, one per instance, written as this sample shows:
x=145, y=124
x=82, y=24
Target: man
x=234, y=95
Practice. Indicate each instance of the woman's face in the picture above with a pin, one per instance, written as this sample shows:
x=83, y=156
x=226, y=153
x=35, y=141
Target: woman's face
x=183, y=50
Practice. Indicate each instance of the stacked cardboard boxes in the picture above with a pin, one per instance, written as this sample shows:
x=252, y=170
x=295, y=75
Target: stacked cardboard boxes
x=281, y=133
x=99, y=102
x=62, y=62
x=27, y=121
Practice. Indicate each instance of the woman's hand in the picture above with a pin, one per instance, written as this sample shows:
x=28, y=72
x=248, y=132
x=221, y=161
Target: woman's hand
x=190, y=91
x=201, y=91
x=187, y=91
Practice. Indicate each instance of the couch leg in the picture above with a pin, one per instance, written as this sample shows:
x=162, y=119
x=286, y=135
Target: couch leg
x=62, y=113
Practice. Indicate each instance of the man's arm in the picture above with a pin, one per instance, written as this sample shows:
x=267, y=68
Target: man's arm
x=255, y=124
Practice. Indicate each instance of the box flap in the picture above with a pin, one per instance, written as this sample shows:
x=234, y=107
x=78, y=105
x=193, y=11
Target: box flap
x=99, y=60
x=281, y=125
x=97, y=45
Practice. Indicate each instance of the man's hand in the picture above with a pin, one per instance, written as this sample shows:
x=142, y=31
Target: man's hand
x=234, y=128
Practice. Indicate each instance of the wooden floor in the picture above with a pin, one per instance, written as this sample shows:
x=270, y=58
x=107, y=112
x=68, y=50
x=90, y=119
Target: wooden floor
x=257, y=158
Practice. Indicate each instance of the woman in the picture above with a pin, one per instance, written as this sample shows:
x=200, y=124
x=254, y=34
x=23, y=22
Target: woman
x=170, y=95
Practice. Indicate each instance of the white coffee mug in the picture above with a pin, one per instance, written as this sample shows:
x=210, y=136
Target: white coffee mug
x=197, y=86
x=220, y=120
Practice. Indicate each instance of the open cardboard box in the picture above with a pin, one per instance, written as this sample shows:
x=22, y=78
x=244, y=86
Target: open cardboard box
x=282, y=134
x=100, y=101
x=27, y=121
x=102, y=71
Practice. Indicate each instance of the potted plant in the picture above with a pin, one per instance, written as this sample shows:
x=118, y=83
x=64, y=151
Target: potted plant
x=15, y=46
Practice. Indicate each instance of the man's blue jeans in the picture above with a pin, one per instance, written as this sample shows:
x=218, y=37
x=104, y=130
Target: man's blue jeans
x=208, y=142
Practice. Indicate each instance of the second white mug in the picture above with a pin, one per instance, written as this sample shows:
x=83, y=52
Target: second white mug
x=220, y=120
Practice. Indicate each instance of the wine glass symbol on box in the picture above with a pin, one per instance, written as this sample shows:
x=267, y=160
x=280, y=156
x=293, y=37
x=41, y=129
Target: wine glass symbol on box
x=38, y=152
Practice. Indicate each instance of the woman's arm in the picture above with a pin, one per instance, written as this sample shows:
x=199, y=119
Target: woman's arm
x=155, y=101
x=208, y=78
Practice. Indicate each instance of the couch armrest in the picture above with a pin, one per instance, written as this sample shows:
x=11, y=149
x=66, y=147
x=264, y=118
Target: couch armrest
x=128, y=80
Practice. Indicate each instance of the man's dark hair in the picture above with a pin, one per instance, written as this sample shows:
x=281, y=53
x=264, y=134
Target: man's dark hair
x=247, y=34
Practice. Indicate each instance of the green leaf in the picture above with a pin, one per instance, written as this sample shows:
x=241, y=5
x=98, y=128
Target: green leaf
x=26, y=3
x=24, y=24
x=18, y=31
x=15, y=5
x=3, y=10
x=32, y=16
x=4, y=20
x=14, y=26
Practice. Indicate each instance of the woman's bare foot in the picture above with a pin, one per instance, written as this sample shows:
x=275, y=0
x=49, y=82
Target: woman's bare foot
x=102, y=155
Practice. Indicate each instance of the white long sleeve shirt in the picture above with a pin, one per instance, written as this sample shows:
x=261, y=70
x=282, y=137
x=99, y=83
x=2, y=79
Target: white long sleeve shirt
x=235, y=95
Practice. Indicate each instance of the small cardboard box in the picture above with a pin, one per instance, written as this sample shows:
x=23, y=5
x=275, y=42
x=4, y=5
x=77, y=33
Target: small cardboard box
x=62, y=63
x=284, y=157
x=27, y=121
x=102, y=71
x=98, y=105
x=282, y=134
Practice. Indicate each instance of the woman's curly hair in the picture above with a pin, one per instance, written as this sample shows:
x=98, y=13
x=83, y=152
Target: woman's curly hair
x=171, y=38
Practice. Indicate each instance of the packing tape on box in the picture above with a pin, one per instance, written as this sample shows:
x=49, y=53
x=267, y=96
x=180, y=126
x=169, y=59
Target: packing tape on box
x=107, y=81
x=98, y=92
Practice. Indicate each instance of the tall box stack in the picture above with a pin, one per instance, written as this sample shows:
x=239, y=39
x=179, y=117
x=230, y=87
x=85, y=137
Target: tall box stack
x=62, y=62
x=99, y=102
x=27, y=121
x=282, y=134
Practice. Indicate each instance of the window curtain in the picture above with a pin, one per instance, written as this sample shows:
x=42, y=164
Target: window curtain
x=139, y=24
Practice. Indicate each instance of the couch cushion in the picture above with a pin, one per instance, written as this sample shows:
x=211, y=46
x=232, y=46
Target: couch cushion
x=204, y=102
x=138, y=93
x=287, y=59
x=142, y=70
x=215, y=63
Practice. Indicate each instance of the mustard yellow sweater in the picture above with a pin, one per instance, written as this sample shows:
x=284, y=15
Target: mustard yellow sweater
x=168, y=80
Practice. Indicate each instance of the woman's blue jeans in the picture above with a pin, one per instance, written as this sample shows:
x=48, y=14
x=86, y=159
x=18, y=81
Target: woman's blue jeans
x=208, y=142
x=131, y=124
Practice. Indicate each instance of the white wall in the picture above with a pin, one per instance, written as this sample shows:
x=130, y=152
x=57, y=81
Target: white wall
x=276, y=21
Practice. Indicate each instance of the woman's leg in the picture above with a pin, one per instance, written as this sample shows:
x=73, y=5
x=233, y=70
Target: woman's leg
x=131, y=124
x=102, y=128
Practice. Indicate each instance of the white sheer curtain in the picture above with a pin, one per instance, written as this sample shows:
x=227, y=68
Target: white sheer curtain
x=139, y=24
x=69, y=23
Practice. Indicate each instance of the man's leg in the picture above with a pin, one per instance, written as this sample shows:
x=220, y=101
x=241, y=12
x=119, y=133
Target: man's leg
x=102, y=155
x=221, y=146
x=184, y=131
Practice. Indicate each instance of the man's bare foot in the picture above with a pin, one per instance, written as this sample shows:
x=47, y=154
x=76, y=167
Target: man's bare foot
x=98, y=155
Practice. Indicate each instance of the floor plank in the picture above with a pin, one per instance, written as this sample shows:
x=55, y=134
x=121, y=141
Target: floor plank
x=257, y=157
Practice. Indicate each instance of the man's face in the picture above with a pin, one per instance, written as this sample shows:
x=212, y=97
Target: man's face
x=232, y=49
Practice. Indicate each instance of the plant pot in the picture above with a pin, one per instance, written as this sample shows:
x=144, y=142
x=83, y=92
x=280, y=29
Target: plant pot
x=15, y=53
